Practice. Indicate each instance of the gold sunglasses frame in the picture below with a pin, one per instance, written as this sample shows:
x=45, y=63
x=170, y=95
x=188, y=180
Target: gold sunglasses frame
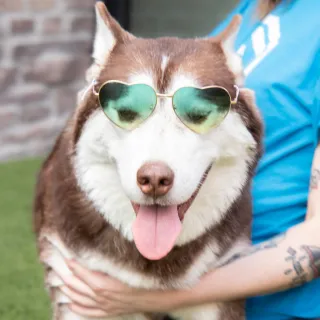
x=165, y=95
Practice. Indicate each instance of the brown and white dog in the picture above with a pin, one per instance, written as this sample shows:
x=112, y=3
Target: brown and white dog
x=83, y=207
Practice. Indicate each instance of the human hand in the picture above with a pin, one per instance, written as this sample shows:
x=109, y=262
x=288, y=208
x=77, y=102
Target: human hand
x=97, y=295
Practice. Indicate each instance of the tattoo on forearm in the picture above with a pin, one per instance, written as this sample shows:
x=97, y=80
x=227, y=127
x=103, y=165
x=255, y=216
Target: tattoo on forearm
x=297, y=272
x=273, y=243
x=304, y=261
x=315, y=179
x=305, y=264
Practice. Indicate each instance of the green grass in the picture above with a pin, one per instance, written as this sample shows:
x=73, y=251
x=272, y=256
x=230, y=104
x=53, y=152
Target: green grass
x=22, y=294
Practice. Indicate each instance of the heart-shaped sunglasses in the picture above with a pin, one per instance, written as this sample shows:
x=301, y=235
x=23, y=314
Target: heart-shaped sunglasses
x=199, y=109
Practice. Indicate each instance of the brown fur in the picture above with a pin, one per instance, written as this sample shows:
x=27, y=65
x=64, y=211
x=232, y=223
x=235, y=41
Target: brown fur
x=62, y=208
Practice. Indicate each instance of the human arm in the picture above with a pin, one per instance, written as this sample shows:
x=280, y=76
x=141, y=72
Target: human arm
x=314, y=193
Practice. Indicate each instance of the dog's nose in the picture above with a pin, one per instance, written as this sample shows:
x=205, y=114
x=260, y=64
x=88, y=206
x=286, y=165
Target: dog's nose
x=155, y=179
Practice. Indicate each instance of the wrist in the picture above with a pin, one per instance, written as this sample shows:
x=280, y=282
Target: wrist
x=162, y=301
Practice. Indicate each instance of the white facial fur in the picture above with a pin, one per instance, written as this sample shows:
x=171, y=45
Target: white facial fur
x=108, y=159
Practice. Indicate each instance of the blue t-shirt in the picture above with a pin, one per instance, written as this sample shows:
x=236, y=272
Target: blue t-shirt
x=281, y=59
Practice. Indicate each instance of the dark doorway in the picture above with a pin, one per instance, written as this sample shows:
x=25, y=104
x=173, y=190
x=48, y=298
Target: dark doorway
x=120, y=10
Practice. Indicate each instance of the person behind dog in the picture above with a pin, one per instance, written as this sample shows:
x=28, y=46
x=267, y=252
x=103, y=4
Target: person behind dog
x=279, y=43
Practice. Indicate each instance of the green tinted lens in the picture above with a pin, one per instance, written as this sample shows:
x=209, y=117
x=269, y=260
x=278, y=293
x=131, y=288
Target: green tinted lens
x=201, y=109
x=127, y=105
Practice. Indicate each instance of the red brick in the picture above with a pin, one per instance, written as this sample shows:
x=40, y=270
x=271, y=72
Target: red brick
x=2, y=32
x=51, y=25
x=80, y=4
x=66, y=100
x=24, y=95
x=7, y=78
x=32, y=114
x=22, y=26
x=9, y=116
x=41, y=4
x=82, y=24
x=11, y=5
x=56, y=68
x=32, y=133
x=29, y=52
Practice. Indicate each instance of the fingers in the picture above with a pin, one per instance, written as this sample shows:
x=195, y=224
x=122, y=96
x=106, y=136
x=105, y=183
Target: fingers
x=79, y=298
x=92, y=279
x=76, y=285
x=88, y=312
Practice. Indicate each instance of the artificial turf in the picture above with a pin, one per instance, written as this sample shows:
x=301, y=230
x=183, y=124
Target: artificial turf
x=22, y=294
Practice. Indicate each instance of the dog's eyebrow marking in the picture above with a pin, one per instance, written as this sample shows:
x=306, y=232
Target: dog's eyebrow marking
x=164, y=63
x=180, y=80
x=142, y=77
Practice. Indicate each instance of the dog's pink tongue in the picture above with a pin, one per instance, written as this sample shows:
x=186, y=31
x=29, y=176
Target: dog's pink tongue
x=155, y=230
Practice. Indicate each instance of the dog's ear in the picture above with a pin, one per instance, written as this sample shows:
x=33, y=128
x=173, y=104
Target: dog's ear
x=108, y=33
x=228, y=36
x=227, y=40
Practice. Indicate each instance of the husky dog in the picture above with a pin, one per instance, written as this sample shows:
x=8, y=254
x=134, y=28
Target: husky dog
x=155, y=197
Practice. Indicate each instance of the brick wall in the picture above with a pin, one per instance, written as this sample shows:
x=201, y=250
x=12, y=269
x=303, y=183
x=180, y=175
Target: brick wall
x=44, y=49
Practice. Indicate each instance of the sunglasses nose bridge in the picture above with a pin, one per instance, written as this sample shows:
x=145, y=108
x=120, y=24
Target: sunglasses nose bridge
x=164, y=95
